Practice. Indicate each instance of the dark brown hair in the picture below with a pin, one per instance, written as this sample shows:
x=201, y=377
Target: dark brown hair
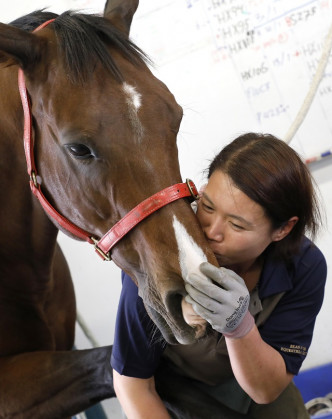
x=273, y=175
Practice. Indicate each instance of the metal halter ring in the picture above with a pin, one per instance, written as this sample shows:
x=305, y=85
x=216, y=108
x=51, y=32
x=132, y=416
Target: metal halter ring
x=192, y=188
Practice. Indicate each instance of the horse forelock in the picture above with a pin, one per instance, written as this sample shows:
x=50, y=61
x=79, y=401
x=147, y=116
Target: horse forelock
x=32, y=20
x=83, y=40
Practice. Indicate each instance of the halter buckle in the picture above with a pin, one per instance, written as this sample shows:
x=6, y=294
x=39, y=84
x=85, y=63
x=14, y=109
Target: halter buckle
x=33, y=178
x=192, y=189
x=103, y=255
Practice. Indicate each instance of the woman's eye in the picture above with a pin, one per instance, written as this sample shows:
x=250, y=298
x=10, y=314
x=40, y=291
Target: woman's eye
x=207, y=207
x=79, y=151
x=237, y=227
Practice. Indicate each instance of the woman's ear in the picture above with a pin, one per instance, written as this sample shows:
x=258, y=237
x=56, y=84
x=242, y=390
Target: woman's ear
x=282, y=232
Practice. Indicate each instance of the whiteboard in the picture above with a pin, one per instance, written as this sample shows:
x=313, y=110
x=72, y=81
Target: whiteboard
x=237, y=66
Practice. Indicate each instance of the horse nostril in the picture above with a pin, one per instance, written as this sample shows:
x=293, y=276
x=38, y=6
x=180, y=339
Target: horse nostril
x=173, y=305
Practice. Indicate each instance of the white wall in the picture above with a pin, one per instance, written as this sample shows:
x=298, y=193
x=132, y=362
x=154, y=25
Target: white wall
x=234, y=66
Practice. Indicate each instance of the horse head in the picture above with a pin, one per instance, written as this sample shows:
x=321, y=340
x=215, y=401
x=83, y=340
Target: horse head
x=105, y=131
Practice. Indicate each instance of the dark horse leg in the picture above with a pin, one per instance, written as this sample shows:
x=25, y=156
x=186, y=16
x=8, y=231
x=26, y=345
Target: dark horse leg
x=54, y=385
x=40, y=376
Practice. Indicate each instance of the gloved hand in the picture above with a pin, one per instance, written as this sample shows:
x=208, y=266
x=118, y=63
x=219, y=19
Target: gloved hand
x=224, y=306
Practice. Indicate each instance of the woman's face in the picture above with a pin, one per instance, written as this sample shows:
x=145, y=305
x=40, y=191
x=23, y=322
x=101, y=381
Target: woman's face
x=236, y=227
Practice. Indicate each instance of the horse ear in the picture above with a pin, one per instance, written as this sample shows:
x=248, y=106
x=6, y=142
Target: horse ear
x=120, y=13
x=19, y=46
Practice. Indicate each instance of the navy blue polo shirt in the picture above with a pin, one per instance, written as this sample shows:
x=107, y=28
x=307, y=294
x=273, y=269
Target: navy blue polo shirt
x=138, y=343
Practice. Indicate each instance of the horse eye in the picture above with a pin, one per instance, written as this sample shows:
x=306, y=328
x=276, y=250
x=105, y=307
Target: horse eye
x=79, y=151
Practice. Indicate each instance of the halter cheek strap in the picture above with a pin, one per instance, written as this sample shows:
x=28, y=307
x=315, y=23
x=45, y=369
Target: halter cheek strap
x=122, y=227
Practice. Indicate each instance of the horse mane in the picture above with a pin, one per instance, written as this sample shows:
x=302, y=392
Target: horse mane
x=83, y=40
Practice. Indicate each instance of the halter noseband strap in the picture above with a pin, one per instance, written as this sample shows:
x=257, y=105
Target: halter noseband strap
x=143, y=210
x=122, y=227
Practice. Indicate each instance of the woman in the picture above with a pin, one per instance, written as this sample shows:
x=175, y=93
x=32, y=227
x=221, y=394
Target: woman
x=261, y=303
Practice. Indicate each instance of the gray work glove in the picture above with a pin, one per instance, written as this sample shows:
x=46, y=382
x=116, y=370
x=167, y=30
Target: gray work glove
x=223, y=301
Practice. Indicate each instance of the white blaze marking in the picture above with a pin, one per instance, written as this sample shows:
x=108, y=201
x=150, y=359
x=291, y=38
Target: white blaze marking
x=190, y=254
x=133, y=97
x=190, y=257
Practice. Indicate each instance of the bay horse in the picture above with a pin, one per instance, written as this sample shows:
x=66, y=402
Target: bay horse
x=99, y=138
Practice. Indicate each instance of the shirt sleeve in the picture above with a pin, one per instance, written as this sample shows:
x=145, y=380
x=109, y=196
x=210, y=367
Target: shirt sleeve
x=138, y=343
x=290, y=327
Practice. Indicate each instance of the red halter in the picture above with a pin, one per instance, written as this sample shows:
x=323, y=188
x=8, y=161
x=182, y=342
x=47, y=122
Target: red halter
x=122, y=227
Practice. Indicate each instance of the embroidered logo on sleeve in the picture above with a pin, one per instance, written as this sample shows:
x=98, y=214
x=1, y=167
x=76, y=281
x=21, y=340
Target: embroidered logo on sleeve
x=295, y=349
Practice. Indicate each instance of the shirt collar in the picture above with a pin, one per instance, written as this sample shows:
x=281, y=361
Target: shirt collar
x=275, y=278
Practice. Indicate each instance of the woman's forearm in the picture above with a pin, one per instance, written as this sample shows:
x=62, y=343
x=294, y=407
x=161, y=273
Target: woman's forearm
x=259, y=369
x=138, y=397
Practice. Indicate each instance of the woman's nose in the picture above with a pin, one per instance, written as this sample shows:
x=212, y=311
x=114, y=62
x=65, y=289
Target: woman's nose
x=215, y=231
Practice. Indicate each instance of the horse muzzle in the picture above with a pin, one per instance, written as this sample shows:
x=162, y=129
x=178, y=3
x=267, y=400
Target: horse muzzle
x=178, y=321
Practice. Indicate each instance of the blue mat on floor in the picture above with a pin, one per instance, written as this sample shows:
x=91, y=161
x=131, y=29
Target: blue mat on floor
x=315, y=382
